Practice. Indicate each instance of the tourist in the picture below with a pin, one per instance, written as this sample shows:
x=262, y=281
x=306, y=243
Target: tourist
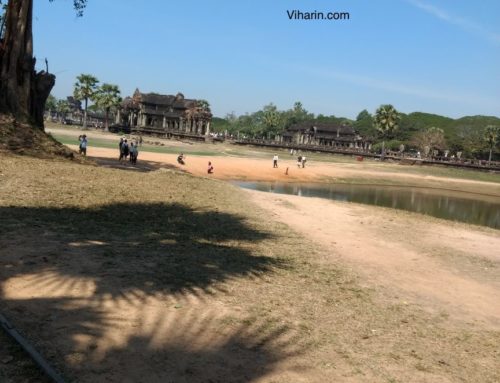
x=275, y=161
x=140, y=141
x=125, y=149
x=133, y=153
x=299, y=161
x=210, y=169
x=120, y=146
x=304, y=161
x=83, y=144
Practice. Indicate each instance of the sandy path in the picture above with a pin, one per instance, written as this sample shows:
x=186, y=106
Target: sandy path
x=253, y=169
x=444, y=267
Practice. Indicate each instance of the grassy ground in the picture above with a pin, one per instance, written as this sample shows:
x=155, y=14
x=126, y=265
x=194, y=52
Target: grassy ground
x=217, y=262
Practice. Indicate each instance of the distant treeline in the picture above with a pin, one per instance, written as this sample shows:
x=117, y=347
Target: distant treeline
x=466, y=134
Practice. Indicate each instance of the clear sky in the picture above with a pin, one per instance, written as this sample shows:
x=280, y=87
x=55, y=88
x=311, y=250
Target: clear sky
x=437, y=56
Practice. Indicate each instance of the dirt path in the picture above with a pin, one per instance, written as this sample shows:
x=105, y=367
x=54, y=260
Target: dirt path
x=448, y=268
x=443, y=266
x=252, y=169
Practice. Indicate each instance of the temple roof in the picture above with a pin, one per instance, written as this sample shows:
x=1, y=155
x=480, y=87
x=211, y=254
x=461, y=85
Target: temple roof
x=157, y=99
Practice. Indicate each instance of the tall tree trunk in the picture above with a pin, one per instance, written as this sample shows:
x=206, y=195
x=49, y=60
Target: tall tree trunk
x=106, y=121
x=23, y=92
x=489, y=159
x=85, y=114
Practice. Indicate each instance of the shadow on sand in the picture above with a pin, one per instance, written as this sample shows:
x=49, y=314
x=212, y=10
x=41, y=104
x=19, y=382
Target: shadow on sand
x=101, y=288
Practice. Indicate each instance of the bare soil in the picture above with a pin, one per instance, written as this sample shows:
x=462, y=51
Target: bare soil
x=154, y=275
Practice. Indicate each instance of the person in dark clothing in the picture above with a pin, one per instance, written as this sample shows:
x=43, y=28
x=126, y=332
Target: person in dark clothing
x=125, y=149
x=120, y=145
x=180, y=159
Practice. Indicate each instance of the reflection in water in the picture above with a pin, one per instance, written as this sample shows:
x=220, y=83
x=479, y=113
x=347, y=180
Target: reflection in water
x=457, y=206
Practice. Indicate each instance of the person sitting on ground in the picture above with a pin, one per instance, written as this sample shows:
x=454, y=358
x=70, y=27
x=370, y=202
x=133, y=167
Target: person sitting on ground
x=210, y=169
x=180, y=159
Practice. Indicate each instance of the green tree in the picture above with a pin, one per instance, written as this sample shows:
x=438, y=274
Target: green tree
x=62, y=109
x=85, y=90
x=50, y=104
x=23, y=91
x=204, y=105
x=271, y=119
x=107, y=96
x=386, y=121
x=364, y=124
x=491, y=136
x=429, y=140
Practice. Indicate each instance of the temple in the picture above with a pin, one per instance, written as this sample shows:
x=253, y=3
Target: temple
x=323, y=134
x=165, y=115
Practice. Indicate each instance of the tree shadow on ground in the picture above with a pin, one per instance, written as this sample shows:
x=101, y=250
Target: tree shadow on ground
x=81, y=267
x=140, y=166
x=152, y=247
x=163, y=345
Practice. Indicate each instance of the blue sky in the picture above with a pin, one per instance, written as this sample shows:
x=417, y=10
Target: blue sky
x=440, y=56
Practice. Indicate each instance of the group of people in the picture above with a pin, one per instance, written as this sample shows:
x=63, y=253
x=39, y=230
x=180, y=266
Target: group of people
x=301, y=161
x=131, y=151
x=181, y=160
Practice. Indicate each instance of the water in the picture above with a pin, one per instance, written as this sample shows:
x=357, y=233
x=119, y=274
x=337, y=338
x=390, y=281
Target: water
x=471, y=208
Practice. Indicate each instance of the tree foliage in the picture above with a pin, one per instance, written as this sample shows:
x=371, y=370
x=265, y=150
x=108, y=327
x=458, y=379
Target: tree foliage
x=50, y=104
x=429, y=140
x=386, y=120
x=107, y=96
x=492, y=138
x=85, y=89
x=62, y=108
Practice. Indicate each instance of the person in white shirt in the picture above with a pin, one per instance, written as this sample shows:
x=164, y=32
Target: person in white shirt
x=275, y=161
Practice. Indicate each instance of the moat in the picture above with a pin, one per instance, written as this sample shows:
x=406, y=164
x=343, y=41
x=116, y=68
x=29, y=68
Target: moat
x=470, y=208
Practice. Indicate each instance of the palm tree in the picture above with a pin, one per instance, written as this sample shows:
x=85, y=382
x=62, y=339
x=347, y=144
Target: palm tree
x=107, y=96
x=491, y=136
x=386, y=122
x=85, y=89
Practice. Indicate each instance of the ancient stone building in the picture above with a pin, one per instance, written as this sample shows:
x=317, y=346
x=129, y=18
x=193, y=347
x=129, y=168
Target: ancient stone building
x=324, y=134
x=164, y=115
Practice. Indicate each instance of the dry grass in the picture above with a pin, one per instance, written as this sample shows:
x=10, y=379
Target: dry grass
x=222, y=268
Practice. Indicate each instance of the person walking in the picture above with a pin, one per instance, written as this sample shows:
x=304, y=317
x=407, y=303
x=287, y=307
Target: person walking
x=275, y=161
x=299, y=161
x=304, y=159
